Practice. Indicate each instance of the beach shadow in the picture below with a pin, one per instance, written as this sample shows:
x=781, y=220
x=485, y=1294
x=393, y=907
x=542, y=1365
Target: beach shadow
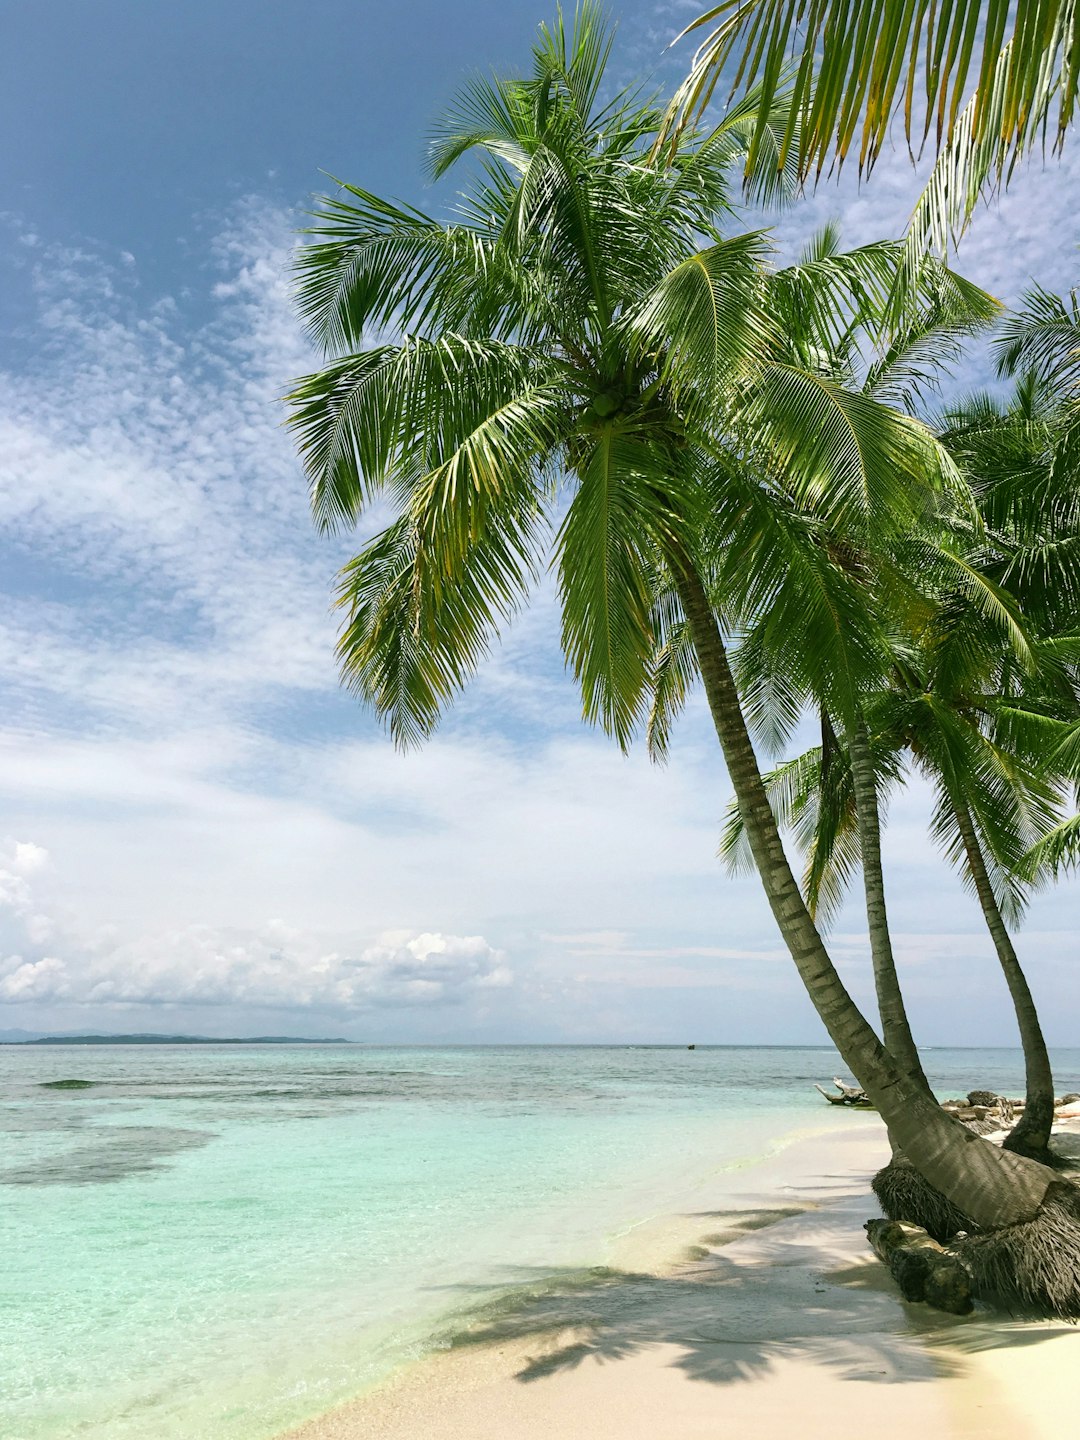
x=734, y=1314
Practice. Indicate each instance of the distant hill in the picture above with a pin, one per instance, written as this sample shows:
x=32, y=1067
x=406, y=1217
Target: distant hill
x=170, y=1040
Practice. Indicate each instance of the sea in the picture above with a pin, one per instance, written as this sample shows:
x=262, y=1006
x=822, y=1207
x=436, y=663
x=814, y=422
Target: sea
x=216, y=1242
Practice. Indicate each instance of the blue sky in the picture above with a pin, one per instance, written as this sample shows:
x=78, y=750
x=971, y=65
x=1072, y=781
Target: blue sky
x=198, y=830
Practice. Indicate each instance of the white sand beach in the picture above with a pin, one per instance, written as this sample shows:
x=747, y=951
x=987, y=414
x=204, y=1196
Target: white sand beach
x=777, y=1322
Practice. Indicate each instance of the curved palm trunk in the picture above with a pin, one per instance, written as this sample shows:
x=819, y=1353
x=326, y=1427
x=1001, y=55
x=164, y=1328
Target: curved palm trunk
x=1031, y=1134
x=895, y=1028
x=993, y=1187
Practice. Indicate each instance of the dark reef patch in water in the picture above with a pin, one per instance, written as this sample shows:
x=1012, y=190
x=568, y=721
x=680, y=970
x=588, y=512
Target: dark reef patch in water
x=117, y=1152
x=68, y=1084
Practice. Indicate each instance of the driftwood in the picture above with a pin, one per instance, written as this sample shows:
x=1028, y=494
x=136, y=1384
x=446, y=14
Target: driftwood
x=981, y=1110
x=923, y=1269
x=849, y=1095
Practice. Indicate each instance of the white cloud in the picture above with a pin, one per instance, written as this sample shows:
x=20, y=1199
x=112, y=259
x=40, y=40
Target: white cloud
x=28, y=857
x=147, y=470
x=273, y=966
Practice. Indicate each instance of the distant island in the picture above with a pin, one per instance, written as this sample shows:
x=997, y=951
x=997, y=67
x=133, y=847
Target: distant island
x=178, y=1040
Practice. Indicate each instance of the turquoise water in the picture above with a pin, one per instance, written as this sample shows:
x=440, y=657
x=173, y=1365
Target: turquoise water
x=219, y=1241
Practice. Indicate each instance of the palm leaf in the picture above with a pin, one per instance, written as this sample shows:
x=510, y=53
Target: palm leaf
x=622, y=505
x=861, y=60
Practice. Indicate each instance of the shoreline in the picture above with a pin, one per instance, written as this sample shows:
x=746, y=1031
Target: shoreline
x=758, y=1310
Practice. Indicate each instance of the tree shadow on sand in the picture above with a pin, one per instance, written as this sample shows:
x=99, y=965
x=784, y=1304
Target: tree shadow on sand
x=732, y=1314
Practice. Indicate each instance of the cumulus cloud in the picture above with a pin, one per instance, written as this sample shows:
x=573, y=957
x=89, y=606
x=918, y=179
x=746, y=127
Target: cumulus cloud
x=19, y=860
x=274, y=966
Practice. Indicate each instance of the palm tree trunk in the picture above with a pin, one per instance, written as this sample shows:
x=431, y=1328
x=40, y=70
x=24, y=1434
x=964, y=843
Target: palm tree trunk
x=895, y=1029
x=1031, y=1134
x=993, y=1187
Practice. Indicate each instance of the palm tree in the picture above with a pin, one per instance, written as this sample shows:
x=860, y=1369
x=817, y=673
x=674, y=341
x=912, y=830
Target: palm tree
x=883, y=350
x=1023, y=460
x=583, y=351
x=984, y=797
x=845, y=67
x=998, y=739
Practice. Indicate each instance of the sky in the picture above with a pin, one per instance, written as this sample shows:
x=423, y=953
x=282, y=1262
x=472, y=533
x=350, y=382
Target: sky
x=199, y=832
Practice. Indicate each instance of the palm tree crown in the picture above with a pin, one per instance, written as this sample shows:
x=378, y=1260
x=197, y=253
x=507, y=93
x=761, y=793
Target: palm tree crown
x=581, y=357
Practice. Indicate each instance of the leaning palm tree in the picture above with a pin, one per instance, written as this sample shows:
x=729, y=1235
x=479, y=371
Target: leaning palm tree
x=845, y=67
x=582, y=363
x=989, y=801
x=997, y=738
x=888, y=351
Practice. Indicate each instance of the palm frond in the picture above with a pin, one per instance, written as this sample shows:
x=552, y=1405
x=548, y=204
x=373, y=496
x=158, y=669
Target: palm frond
x=622, y=506
x=1057, y=851
x=673, y=672
x=453, y=409
x=847, y=457
x=1043, y=337
x=373, y=265
x=855, y=63
x=707, y=317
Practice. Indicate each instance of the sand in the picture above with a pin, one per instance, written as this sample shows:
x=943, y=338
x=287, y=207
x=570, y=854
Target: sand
x=779, y=1322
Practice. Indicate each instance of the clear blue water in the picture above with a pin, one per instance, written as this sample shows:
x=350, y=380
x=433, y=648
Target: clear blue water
x=219, y=1241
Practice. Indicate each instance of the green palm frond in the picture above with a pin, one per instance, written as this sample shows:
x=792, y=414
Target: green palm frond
x=772, y=179
x=491, y=115
x=932, y=316
x=625, y=504
x=773, y=697
x=989, y=600
x=409, y=643
x=1057, y=851
x=855, y=62
x=373, y=265
x=829, y=295
x=672, y=674
x=707, y=317
x=812, y=797
x=972, y=163
x=1038, y=737
x=855, y=462
x=793, y=788
x=347, y=420
x=1043, y=337
x=456, y=410
x=1009, y=800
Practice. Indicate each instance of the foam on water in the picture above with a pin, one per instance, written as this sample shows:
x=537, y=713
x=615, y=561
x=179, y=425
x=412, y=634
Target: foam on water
x=216, y=1242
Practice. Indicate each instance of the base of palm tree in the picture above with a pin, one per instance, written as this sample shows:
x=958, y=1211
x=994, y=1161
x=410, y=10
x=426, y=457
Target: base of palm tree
x=1035, y=1266
x=1030, y=1135
x=903, y=1194
x=1044, y=1154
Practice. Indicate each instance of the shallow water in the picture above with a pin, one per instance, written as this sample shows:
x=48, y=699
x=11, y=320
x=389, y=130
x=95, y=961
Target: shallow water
x=218, y=1241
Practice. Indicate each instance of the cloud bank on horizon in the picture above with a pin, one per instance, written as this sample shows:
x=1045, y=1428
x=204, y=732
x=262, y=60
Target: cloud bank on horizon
x=273, y=967
x=200, y=826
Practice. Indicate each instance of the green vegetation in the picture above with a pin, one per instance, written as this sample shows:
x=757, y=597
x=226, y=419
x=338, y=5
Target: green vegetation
x=591, y=366
x=838, y=71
